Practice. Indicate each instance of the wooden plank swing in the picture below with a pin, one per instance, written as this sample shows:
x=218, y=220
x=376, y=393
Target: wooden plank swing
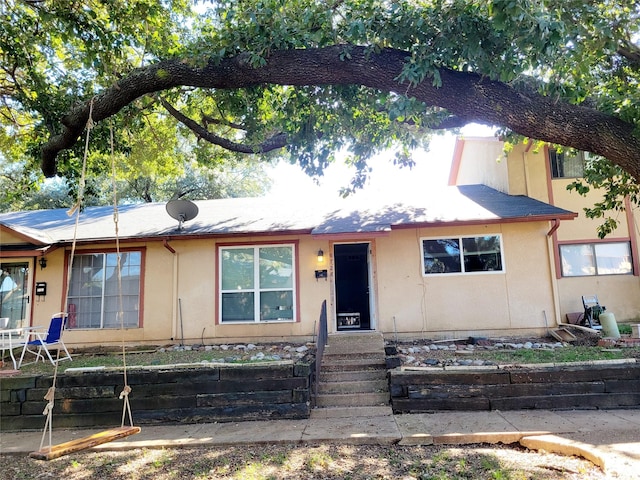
x=106, y=436
x=49, y=453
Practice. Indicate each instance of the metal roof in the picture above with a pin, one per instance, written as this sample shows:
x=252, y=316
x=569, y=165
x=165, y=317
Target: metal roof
x=250, y=216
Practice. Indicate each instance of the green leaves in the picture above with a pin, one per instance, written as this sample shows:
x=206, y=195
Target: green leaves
x=615, y=186
x=58, y=55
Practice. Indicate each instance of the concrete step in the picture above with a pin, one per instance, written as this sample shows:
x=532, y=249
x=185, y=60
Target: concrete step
x=355, y=348
x=354, y=375
x=351, y=365
x=368, y=356
x=354, y=343
x=350, y=337
x=353, y=360
x=352, y=399
x=364, y=386
x=351, y=412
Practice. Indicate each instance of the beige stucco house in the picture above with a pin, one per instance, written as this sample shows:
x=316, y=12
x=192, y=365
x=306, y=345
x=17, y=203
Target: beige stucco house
x=483, y=256
x=583, y=264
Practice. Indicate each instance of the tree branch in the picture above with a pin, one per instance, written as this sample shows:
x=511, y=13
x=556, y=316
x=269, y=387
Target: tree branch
x=208, y=120
x=453, y=121
x=631, y=52
x=273, y=143
x=462, y=94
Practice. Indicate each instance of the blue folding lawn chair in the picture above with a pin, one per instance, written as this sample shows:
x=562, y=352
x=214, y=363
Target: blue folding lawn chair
x=46, y=341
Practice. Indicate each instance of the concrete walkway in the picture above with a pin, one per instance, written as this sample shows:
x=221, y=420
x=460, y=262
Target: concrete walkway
x=608, y=438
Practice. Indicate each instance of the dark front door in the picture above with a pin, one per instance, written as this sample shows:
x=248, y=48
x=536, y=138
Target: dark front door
x=352, y=286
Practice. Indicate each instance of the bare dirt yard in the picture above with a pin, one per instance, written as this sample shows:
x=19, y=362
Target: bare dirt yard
x=295, y=462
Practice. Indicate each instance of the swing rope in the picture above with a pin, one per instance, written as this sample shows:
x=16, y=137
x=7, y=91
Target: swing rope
x=126, y=390
x=75, y=209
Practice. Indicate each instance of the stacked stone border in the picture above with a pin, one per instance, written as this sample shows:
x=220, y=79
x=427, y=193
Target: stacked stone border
x=605, y=384
x=162, y=395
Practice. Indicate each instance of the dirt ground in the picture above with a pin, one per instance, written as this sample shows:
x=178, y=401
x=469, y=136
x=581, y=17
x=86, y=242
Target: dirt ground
x=295, y=462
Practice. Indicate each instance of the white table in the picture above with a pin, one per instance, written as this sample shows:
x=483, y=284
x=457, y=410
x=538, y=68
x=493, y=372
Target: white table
x=11, y=338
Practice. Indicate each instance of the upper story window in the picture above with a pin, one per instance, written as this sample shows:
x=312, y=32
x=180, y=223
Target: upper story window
x=462, y=255
x=564, y=165
x=94, y=296
x=257, y=283
x=610, y=258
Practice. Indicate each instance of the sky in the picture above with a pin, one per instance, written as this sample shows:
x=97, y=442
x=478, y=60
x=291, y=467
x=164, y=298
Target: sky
x=386, y=180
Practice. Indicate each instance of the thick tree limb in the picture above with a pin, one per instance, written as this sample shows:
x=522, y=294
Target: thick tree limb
x=631, y=52
x=462, y=94
x=274, y=143
x=454, y=121
x=208, y=120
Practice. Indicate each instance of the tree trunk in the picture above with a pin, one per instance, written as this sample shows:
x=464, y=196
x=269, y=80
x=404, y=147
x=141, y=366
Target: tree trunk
x=465, y=95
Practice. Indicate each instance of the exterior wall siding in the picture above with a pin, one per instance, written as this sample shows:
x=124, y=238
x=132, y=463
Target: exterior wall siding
x=529, y=174
x=189, y=275
x=619, y=293
x=483, y=162
x=471, y=304
x=405, y=302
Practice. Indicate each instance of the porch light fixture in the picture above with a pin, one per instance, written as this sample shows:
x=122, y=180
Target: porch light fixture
x=43, y=263
x=320, y=256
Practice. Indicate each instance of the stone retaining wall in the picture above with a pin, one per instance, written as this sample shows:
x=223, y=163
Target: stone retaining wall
x=162, y=395
x=607, y=385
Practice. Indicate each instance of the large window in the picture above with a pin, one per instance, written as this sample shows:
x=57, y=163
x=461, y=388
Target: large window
x=462, y=255
x=595, y=259
x=94, y=297
x=257, y=283
x=564, y=165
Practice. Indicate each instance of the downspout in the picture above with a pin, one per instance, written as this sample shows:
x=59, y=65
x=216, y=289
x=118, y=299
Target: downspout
x=555, y=224
x=165, y=242
x=633, y=235
x=551, y=242
x=174, y=299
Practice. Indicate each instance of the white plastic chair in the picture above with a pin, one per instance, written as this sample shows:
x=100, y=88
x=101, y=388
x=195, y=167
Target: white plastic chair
x=10, y=339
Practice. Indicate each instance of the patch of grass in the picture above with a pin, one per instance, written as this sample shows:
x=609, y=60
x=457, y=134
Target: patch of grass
x=163, y=459
x=624, y=329
x=471, y=464
x=489, y=463
x=395, y=459
x=253, y=471
x=136, y=357
x=201, y=469
x=279, y=458
x=557, y=355
x=318, y=460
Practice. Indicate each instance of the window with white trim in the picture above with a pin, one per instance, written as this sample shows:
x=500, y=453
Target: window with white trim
x=479, y=254
x=94, y=297
x=585, y=259
x=257, y=283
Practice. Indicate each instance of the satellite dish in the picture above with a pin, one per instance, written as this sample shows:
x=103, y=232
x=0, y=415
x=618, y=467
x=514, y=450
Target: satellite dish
x=182, y=210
